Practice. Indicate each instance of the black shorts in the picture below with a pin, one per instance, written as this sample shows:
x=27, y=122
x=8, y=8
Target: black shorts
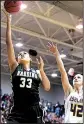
x=32, y=115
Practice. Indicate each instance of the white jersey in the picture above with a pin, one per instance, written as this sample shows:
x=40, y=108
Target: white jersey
x=74, y=107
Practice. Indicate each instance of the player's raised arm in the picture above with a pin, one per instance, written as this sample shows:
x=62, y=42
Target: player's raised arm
x=64, y=78
x=44, y=78
x=10, y=50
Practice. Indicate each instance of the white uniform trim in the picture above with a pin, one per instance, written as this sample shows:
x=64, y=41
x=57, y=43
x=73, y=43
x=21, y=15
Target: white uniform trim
x=38, y=72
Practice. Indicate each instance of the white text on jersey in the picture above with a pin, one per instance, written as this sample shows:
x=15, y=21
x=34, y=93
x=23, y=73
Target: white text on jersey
x=27, y=74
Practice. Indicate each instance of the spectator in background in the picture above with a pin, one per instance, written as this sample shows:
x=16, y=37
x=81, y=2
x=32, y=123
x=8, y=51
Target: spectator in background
x=49, y=116
x=62, y=110
x=58, y=109
x=44, y=110
x=49, y=109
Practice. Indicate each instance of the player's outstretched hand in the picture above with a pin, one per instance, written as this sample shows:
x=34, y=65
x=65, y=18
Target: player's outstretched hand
x=52, y=47
x=40, y=63
x=8, y=15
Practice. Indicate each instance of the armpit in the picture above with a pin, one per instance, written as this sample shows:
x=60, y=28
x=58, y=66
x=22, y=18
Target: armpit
x=69, y=90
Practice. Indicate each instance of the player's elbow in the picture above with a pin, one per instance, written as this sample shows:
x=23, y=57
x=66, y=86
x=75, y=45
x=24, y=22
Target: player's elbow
x=46, y=85
x=47, y=88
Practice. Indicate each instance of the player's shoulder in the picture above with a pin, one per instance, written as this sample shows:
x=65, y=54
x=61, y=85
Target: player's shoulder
x=69, y=92
x=19, y=67
x=12, y=73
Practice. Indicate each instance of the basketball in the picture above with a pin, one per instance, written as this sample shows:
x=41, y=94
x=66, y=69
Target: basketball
x=33, y=52
x=12, y=6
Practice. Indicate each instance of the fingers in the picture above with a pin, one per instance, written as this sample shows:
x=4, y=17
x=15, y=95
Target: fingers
x=41, y=58
x=37, y=61
x=54, y=45
x=6, y=13
x=51, y=45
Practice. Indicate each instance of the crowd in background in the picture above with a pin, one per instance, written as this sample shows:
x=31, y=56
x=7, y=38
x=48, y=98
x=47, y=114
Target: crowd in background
x=6, y=104
x=51, y=113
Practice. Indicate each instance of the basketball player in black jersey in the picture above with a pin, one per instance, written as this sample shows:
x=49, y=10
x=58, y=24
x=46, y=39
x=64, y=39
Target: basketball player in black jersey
x=25, y=84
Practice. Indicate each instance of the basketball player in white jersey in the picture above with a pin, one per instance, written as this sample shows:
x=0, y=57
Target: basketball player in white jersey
x=74, y=95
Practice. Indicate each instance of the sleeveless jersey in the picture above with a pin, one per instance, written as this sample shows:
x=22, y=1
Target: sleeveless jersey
x=25, y=86
x=74, y=107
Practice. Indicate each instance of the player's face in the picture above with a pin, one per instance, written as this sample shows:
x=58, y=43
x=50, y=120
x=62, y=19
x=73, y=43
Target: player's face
x=78, y=79
x=23, y=57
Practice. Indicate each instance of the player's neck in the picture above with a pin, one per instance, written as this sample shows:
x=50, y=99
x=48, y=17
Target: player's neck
x=26, y=66
x=79, y=89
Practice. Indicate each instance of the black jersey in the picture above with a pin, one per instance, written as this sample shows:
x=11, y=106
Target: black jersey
x=25, y=85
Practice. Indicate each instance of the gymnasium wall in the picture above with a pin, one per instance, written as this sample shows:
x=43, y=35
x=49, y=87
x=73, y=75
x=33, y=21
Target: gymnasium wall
x=55, y=94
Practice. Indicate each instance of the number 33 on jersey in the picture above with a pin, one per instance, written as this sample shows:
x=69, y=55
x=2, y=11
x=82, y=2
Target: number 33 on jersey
x=26, y=82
